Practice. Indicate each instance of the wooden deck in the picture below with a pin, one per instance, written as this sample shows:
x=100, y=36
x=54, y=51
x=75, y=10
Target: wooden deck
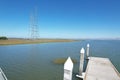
x=101, y=69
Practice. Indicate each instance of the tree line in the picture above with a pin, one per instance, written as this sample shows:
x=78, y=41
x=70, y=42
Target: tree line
x=3, y=38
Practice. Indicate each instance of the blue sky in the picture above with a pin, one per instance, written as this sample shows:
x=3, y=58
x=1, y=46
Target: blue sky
x=61, y=18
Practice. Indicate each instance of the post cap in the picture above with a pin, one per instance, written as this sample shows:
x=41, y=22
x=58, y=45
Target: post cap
x=82, y=50
x=68, y=64
x=88, y=45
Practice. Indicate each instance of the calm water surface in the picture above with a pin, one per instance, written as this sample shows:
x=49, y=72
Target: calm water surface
x=35, y=61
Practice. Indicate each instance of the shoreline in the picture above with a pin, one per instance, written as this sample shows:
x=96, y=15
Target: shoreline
x=38, y=41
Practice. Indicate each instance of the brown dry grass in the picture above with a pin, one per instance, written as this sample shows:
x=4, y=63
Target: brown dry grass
x=25, y=41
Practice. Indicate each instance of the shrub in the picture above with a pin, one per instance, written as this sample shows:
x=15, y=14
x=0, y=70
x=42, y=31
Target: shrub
x=3, y=38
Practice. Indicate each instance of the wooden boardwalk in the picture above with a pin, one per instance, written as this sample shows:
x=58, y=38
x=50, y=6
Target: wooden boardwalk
x=101, y=69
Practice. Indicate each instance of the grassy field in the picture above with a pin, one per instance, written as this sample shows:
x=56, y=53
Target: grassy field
x=26, y=41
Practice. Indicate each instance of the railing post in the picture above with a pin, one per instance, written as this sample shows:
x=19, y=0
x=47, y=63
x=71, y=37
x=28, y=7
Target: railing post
x=81, y=61
x=68, y=68
x=87, y=51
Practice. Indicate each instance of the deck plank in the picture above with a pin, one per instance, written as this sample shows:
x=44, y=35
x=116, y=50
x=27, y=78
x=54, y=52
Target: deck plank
x=101, y=69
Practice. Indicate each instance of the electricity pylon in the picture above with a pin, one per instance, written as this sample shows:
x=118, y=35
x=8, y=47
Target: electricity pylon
x=34, y=29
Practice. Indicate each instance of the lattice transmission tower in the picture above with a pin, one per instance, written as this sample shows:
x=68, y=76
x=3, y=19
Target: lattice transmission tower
x=34, y=29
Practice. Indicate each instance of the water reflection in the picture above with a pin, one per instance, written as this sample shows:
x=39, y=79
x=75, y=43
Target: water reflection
x=32, y=65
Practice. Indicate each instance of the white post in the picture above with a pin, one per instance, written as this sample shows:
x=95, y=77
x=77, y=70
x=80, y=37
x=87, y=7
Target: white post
x=81, y=61
x=68, y=68
x=87, y=52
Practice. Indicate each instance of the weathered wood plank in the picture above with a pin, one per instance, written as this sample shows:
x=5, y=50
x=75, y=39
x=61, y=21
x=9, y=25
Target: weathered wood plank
x=101, y=69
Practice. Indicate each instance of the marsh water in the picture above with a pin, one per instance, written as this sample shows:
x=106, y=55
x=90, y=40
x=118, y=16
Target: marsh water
x=35, y=61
